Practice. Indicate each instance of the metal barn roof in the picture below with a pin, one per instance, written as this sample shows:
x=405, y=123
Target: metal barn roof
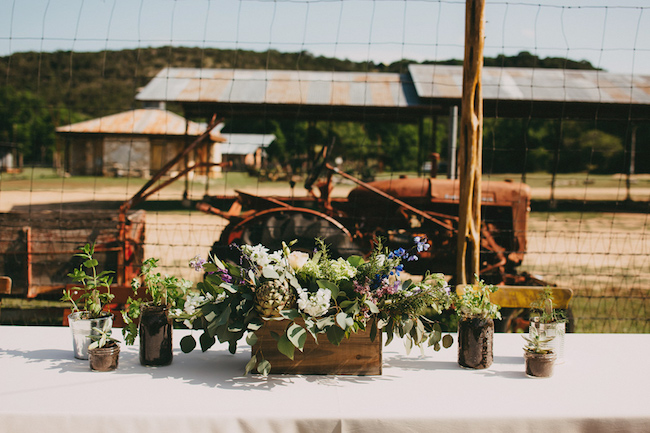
x=424, y=90
x=243, y=144
x=141, y=122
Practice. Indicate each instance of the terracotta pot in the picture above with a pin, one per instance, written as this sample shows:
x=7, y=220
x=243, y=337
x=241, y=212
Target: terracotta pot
x=475, y=336
x=155, y=333
x=104, y=358
x=82, y=327
x=539, y=364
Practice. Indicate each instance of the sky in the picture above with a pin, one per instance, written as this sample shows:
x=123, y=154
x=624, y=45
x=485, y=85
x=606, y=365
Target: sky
x=613, y=34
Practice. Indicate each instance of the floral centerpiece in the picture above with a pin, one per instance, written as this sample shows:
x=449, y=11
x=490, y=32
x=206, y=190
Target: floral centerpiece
x=318, y=296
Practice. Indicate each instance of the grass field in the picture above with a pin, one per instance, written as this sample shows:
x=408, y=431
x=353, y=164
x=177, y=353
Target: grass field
x=604, y=257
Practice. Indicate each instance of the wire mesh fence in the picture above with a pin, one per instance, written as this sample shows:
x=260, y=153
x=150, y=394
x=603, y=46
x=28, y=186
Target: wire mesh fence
x=566, y=112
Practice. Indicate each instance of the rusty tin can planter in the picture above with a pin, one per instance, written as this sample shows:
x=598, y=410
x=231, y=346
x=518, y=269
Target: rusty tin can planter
x=539, y=364
x=82, y=327
x=155, y=331
x=475, y=341
x=104, y=358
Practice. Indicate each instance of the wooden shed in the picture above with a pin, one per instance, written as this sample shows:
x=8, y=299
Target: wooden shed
x=133, y=143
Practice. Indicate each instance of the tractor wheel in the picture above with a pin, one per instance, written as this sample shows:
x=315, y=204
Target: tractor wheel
x=270, y=228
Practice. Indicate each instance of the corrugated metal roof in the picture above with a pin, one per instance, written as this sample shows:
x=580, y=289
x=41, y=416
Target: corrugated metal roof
x=528, y=84
x=243, y=144
x=244, y=86
x=141, y=122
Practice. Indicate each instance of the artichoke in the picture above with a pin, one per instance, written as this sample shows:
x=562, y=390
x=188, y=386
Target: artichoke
x=272, y=296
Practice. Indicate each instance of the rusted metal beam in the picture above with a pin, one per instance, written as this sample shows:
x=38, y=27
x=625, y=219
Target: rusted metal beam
x=389, y=197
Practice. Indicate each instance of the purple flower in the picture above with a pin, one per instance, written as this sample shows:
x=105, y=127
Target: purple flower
x=197, y=263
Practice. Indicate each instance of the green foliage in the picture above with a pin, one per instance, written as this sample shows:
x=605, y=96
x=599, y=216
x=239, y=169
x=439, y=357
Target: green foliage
x=538, y=344
x=102, y=337
x=335, y=297
x=163, y=290
x=93, y=299
x=475, y=302
x=542, y=308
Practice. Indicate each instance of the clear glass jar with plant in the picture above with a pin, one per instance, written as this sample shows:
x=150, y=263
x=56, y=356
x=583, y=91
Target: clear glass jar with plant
x=548, y=322
x=476, y=324
x=104, y=351
x=88, y=308
x=539, y=356
x=151, y=317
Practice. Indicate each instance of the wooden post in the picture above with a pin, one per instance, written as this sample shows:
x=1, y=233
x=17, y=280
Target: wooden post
x=471, y=144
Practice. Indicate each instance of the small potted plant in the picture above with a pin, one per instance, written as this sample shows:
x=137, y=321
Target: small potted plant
x=539, y=356
x=104, y=351
x=476, y=325
x=548, y=322
x=165, y=294
x=88, y=308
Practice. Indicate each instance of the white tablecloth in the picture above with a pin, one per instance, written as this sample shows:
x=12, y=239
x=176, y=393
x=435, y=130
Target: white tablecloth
x=604, y=386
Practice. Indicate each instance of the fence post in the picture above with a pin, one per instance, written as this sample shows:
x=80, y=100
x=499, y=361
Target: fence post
x=471, y=144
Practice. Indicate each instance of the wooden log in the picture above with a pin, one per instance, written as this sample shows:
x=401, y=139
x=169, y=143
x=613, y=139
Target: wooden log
x=471, y=145
x=357, y=355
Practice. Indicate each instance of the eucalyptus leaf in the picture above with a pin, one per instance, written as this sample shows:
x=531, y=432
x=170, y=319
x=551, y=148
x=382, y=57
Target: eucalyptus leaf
x=341, y=320
x=335, y=335
x=297, y=335
x=264, y=367
x=251, y=339
x=408, y=344
x=371, y=305
x=290, y=314
x=206, y=341
x=270, y=273
x=286, y=347
x=188, y=343
x=447, y=341
x=250, y=365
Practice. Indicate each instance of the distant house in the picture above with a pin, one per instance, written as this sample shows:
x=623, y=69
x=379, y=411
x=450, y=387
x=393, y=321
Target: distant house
x=134, y=143
x=244, y=150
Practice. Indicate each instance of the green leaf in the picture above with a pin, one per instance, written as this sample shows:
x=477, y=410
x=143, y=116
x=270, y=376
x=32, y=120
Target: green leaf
x=270, y=273
x=335, y=335
x=356, y=261
x=286, y=347
x=325, y=284
x=188, y=343
x=250, y=365
x=408, y=344
x=297, y=335
x=251, y=339
x=264, y=367
x=290, y=314
x=206, y=341
x=341, y=320
x=447, y=341
x=373, y=329
x=371, y=305
x=255, y=324
x=91, y=263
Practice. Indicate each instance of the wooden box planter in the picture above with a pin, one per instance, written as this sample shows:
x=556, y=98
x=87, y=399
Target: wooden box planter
x=357, y=355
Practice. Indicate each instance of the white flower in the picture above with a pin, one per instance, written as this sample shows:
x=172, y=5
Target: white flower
x=258, y=254
x=380, y=259
x=314, y=304
x=297, y=259
x=342, y=269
